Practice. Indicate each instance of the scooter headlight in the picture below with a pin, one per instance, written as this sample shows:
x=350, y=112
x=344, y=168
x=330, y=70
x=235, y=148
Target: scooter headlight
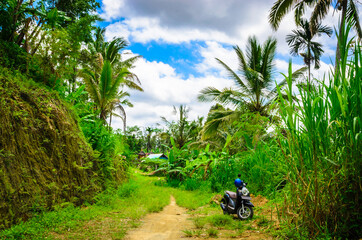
x=244, y=191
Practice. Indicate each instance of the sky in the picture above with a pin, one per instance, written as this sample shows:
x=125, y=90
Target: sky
x=179, y=41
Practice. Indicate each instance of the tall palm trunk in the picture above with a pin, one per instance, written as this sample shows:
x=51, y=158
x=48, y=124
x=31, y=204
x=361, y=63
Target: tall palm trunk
x=338, y=53
x=110, y=120
x=124, y=124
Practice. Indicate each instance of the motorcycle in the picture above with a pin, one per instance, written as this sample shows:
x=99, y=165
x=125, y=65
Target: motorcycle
x=238, y=202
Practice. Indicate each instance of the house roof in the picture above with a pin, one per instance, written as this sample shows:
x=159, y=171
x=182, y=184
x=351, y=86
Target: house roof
x=142, y=153
x=156, y=156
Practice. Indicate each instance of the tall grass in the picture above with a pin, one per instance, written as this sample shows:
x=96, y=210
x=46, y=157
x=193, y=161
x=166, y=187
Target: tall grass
x=322, y=149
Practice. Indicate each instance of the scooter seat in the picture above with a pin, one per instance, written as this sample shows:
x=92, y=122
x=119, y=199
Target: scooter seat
x=231, y=194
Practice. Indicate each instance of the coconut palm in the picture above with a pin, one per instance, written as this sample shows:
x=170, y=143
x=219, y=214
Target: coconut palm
x=103, y=52
x=255, y=87
x=104, y=89
x=301, y=43
x=119, y=101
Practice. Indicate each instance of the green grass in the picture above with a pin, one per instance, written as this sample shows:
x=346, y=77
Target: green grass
x=191, y=199
x=221, y=220
x=128, y=204
x=199, y=222
x=118, y=210
x=212, y=232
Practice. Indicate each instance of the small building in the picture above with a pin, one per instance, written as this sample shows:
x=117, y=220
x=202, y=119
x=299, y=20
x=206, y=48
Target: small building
x=157, y=156
x=141, y=154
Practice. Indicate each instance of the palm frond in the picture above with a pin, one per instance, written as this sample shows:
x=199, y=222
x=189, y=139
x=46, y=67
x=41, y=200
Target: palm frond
x=278, y=11
x=131, y=84
x=106, y=79
x=232, y=74
x=113, y=90
x=353, y=16
x=218, y=118
x=320, y=10
x=129, y=63
x=92, y=86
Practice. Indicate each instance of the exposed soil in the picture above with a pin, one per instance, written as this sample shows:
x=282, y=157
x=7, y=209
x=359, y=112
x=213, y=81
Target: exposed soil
x=173, y=220
x=167, y=224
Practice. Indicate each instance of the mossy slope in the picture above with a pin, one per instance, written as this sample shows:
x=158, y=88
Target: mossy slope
x=44, y=158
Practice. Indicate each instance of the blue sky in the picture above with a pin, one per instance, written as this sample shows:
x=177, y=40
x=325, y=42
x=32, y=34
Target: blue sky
x=179, y=40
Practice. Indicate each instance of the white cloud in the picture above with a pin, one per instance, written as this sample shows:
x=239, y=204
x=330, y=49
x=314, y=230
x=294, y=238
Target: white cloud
x=219, y=24
x=144, y=30
x=163, y=88
x=176, y=22
x=112, y=9
x=215, y=50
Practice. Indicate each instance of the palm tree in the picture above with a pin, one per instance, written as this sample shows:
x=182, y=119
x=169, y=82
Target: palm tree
x=320, y=10
x=149, y=131
x=255, y=88
x=181, y=130
x=301, y=43
x=109, y=52
x=104, y=89
x=117, y=104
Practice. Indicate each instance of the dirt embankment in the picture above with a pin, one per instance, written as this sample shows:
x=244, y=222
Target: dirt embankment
x=44, y=157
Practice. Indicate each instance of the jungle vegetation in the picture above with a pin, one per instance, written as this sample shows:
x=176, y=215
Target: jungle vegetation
x=302, y=149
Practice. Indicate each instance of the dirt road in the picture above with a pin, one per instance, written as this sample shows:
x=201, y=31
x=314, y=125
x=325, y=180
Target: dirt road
x=167, y=224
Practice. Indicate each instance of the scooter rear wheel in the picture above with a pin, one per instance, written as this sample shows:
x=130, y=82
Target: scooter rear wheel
x=223, y=201
x=246, y=213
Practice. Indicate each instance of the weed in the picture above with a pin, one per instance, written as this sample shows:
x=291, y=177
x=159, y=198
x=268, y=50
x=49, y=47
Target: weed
x=197, y=233
x=188, y=233
x=220, y=220
x=263, y=222
x=199, y=222
x=212, y=232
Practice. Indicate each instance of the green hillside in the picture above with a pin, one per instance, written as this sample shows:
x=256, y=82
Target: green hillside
x=44, y=158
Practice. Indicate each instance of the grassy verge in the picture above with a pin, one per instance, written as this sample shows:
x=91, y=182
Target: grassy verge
x=115, y=211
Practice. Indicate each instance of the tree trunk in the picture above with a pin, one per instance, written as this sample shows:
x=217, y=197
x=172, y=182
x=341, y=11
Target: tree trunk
x=15, y=18
x=37, y=46
x=338, y=53
x=309, y=60
x=124, y=124
x=110, y=120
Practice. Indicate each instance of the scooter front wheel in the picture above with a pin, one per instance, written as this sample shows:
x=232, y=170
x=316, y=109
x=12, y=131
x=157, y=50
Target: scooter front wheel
x=245, y=212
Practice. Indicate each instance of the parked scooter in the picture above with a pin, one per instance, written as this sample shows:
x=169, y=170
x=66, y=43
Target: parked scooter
x=238, y=202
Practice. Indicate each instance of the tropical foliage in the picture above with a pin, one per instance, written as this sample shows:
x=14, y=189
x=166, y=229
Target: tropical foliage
x=255, y=87
x=298, y=146
x=300, y=42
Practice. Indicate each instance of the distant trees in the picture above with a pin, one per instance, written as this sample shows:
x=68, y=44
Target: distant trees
x=181, y=130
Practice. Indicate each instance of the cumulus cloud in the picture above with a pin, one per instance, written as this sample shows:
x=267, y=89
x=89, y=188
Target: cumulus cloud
x=219, y=25
x=164, y=88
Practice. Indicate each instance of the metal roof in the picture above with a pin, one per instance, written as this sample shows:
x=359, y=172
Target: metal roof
x=156, y=156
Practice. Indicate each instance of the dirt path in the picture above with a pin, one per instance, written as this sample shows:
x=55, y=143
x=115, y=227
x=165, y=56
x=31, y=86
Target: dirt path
x=167, y=224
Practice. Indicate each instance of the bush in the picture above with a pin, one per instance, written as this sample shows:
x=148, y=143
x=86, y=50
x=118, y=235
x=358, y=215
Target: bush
x=12, y=56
